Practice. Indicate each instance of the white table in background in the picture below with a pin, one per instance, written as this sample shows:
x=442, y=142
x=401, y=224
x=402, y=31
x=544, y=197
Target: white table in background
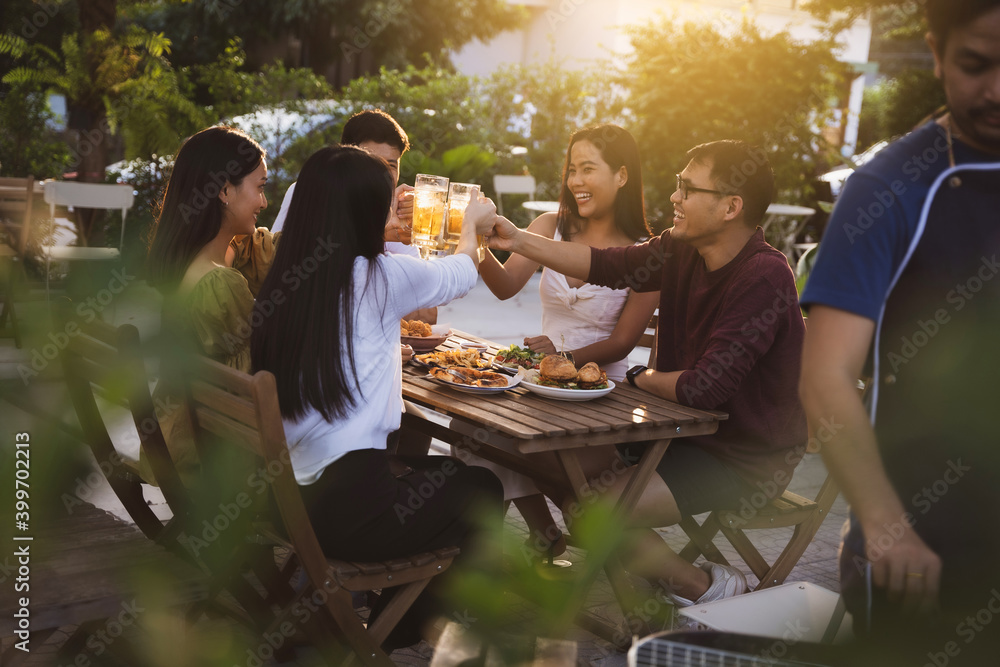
x=791, y=220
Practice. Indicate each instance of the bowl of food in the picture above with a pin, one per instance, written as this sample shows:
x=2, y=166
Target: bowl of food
x=422, y=337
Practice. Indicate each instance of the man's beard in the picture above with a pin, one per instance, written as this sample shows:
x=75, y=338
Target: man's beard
x=969, y=122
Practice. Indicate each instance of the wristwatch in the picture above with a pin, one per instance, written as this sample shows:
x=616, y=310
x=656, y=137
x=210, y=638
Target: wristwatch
x=632, y=372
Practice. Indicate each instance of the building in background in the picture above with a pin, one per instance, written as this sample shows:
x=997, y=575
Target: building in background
x=578, y=33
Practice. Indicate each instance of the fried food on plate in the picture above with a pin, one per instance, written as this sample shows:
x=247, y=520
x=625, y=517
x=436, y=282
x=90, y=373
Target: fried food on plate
x=456, y=357
x=414, y=328
x=470, y=377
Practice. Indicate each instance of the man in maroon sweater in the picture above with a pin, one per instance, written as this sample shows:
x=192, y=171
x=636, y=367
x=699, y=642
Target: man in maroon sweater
x=729, y=338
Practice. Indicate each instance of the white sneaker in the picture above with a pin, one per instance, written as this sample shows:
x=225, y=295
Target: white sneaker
x=726, y=582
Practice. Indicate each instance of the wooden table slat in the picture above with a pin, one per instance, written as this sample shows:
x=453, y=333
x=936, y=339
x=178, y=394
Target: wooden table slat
x=453, y=402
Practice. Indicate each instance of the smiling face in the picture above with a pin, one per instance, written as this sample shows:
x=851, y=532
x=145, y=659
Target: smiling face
x=592, y=182
x=388, y=153
x=244, y=202
x=703, y=217
x=969, y=69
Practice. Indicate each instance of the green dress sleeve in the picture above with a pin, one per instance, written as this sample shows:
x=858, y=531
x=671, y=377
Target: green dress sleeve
x=219, y=309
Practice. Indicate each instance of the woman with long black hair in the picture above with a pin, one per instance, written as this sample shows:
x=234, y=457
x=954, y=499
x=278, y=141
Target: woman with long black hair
x=328, y=328
x=207, y=257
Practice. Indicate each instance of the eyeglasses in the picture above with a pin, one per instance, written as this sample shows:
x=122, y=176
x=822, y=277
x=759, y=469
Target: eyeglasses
x=686, y=189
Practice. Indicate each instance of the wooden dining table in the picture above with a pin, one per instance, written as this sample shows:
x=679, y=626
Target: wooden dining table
x=513, y=427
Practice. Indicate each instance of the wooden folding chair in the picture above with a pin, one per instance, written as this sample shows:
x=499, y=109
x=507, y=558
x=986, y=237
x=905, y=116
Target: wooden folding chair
x=17, y=197
x=787, y=510
x=94, y=369
x=105, y=363
x=237, y=412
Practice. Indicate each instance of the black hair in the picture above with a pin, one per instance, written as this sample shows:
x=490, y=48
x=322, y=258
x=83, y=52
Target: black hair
x=739, y=168
x=337, y=214
x=191, y=212
x=943, y=16
x=376, y=126
x=618, y=148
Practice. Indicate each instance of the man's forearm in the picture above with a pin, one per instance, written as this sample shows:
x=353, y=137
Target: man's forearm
x=839, y=422
x=662, y=384
x=571, y=259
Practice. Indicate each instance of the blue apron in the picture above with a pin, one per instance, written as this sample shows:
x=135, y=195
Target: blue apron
x=936, y=400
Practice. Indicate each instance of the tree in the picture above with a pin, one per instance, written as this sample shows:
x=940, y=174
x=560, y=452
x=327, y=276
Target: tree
x=841, y=14
x=894, y=107
x=691, y=83
x=534, y=108
x=28, y=146
x=112, y=77
x=554, y=102
x=338, y=39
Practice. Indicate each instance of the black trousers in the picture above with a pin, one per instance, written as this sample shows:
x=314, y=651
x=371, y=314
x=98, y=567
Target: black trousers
x=361, y=510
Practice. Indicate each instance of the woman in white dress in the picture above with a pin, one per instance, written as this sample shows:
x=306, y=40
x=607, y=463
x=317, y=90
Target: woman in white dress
x=600, y=205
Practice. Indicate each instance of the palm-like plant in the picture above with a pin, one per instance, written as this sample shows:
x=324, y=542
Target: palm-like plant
x=113, y=82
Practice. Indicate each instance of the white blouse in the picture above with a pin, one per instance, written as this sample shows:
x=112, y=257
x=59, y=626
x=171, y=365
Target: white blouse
x=581, y=315
x=399, y=285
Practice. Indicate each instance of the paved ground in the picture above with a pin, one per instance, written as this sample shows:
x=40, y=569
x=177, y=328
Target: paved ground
x=480, y=313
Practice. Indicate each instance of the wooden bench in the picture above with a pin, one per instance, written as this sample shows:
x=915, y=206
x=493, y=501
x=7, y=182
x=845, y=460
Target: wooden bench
x=84, y=568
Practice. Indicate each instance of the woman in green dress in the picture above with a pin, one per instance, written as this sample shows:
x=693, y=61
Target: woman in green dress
x=208, y=258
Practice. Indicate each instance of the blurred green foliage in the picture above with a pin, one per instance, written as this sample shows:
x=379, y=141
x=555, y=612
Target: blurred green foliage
x=897, y=105
x=691, y=83
x=28, y=144
x=330, y=34
x=536, y=108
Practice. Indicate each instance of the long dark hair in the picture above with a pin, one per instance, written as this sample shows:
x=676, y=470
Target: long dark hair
x=303, y=312
x=618, y=148
x=191, y=214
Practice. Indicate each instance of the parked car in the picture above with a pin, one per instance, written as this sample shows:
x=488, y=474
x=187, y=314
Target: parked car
x=837, y=177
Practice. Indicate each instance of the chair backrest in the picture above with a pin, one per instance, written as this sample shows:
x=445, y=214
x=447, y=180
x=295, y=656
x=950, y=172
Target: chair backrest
x=16, y=202
x=95, y=367
x=238, y=412
x=512, y=185
x=648, y=338
x=90, y=195
x=234, y=409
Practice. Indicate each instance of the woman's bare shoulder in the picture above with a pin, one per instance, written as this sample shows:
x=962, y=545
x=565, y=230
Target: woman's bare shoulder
x=545, y=225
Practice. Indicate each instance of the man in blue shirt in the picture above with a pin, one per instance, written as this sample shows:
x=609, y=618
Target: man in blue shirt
x=905, y=290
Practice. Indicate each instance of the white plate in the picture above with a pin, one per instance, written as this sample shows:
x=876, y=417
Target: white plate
x=511, y=383
x=568, y=394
